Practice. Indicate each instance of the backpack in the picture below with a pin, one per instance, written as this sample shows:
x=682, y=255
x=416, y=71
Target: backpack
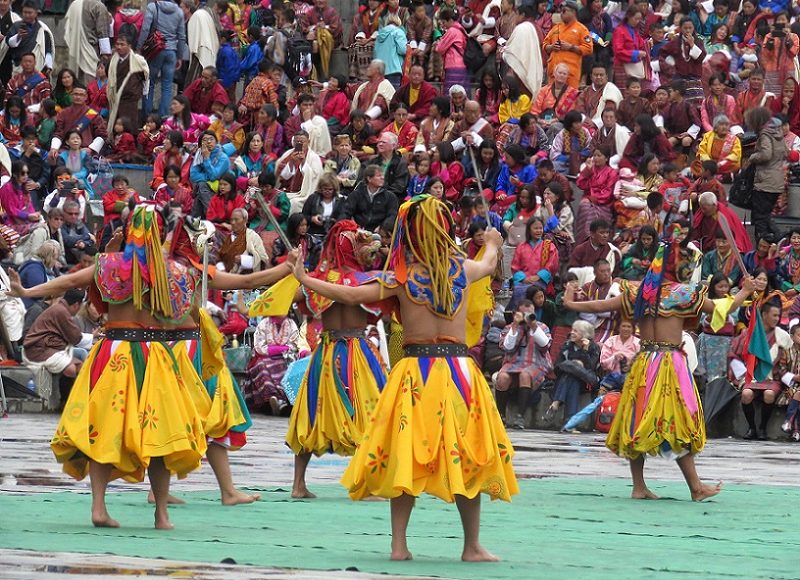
x=298, y=57
x=474, y=58
x=741, y=192
x=607, y=411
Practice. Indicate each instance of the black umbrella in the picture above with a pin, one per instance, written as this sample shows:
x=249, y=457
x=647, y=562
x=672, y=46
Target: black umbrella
x=716, y=396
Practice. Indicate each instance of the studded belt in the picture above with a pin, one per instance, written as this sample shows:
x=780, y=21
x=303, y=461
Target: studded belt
x=152, y=334
x=654, y=346
x=436, y=350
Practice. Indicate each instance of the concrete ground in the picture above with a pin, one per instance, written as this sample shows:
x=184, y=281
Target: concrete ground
x=27, y=467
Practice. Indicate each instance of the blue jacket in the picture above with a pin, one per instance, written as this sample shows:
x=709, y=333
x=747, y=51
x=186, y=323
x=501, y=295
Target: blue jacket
x=390, y=47
x=228, y=66
x=211, y=169
x=527, y=175
x=252, y=58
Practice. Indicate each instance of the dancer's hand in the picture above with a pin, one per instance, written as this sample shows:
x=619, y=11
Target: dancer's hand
x=299, y=270
x=493, y=238
x=16, y=285
x=749, y=284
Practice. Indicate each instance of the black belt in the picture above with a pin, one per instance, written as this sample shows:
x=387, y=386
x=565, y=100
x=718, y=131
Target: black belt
x=436, y=350
x=344, y=333
x=152, y=334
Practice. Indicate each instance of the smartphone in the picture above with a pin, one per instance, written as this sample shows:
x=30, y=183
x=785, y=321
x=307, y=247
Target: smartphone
x=298, y=147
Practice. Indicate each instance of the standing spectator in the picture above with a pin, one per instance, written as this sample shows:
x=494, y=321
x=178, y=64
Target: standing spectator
x=419, y=29
x=631, y=53
x=770, y=174
x=362, y=38
x=390, y=47
x=778, y=53
x=87, y=26
x=228, y=64
x=30, y=85
x=7, y=18
x=526, y=343
x=371, y=204
x=686, y=53
x=451, y=46
x=166, y=17
x=205, y=91
x=323, y=27
x=259, y=92
x=568, y=42
x=77, y=237
x=209, y=165
x=201, y=36
x=128, y=80
x=30, y=35
x=394, y=167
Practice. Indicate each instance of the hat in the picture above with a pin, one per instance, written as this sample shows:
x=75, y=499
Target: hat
x=626, y=173
x=571, y=4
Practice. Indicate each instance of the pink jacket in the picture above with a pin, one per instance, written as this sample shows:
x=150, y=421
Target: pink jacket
x=614, y=346
x=598, y=184
x=532, y=259
x=728, y=107
x=452, y=45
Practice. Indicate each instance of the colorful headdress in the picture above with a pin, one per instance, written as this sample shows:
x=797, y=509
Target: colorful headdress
x=144, y=253
x=424, y=234
x=347, y=247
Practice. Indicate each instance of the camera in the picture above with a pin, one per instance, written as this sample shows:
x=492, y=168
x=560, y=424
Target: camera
x=67, y=186
x=530, y=317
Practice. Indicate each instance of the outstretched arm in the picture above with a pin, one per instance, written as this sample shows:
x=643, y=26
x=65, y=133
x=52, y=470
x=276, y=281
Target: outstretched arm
x=350, y=295
x=227, y=281
x=748, y=287
x=487, y=264
x=55, y=287
x=595, y=306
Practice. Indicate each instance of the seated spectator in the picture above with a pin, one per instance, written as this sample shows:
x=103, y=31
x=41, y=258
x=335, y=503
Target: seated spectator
x=76, y=159
x=46, y=126
x=171, y=153
x=556, y=213
x=488, y=96
x=424, y=91
x=769, y=388
x=791, y=378
x=395, y=168
x=420, y=181
x=173, y=192
x=271, y=131
x=675, y=190
x=646, y=138
x=41, y=267
x=526, y=133
x=515, y=171
x=123, y=143
x=257, y=93
x=600, y=287
x=362, y=135
x=209, y=165
x=405, y=130
x=251, y=162
x=436, y=127
x=204, y=91
x=298, y=171
x=66, y=190
x=228, y=129
x=297, y=232
x=151, y=136
x=632, y=105
x=325, y=207
x=616, y=356
x=75, y=234
x=38, y=171
x=514, y=103
x=12, y=119
x=639, y=256
x=571, y=146
x=275, y=345
x=535, y=261
x=713, y=346
x=717, y=103
x=181, y=118
x=721, y=146
x=554, y=100
x=55, y=343
x=275, y=199
x=474, y=247
x=18, y=212
x=648, y=173
x=597, y=247
x=765, y=256
x=707, y=181
x=597, y=180
x=611, y=135
x=545, y=175
x=50, y=229
x=526, y=364
x=721, y=260
x=242, y=250
x=224, y=201
x=118, y=199
x=371, y=204
x=445, y=165
x=344, y=164
x=706, y=222
x=319, y=138
x=515, y=224
x=487, y=159
x=374, y=95
x=576, y=368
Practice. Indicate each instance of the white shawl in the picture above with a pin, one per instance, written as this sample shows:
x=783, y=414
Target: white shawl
x=4, y=45
x=201, y=35
x=319, y=137
x=82, y=56
x=523, y=54
x=311, y=170
x=116, y=86
x=385, y=90
x=610, y=94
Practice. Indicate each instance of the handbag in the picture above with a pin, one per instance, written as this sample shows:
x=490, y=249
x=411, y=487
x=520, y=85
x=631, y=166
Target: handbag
x=634, y=69
x=154, y=43
x=741, y=192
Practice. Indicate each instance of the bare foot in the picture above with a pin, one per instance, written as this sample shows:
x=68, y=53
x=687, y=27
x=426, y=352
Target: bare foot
x=643, y=494
x=103, y=520
x=403, y=554
x=478, y=554
x=162, y=521
x=302, y=493
x=171, y=499
x=374, y=498
x=706, y=491
x=239, y=497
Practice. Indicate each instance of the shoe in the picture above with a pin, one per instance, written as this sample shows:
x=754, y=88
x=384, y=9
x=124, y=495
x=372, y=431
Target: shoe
x=275, y=405
x=796, y=436
x=550, y=413
x=751, y=434
x=786, y=427
x=518, y=423
x=762, y=435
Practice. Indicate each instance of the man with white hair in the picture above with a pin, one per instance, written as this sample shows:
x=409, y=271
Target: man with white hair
x=374, y=95
x=243, y=250
x=395, y=169
x=707, y=220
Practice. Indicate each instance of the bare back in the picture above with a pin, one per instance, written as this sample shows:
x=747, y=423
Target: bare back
x=420, y=325
x=661, y=329
x=344, y=317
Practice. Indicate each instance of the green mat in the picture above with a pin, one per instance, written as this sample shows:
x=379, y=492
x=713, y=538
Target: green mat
x=556, y=528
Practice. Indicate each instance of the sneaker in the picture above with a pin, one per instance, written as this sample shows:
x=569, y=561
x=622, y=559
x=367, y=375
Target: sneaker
x=275, y=405
x=796, y=436
x=751, y=434
x=786, y=427
x=550, y=413
x=518, y=423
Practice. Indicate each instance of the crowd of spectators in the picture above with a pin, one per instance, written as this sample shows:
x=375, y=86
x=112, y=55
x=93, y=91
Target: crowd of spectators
x=580, y=130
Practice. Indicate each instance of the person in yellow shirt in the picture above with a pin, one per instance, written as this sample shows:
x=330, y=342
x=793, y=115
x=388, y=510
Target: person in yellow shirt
x=568, y=42
x=514, y=104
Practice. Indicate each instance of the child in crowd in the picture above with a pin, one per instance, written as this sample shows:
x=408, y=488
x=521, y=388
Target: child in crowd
x=421, y=181
x=76, y=160
x=97, y=89
x=228, y=63
x=253, y=55
x=47, y=123
x=150, y=136
x=224, y=202
x=632, y=105
x=123, y=144
x=228, y=129
x=707, y=182
x=674, y=189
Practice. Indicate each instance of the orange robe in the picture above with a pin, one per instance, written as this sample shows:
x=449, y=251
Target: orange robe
x=576, y=34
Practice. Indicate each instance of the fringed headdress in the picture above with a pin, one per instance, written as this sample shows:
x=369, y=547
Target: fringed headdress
x=423, y=234
x=144, y=252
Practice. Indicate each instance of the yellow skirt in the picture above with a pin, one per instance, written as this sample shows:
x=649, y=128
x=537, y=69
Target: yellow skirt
x=659, y=411
x=130, y=403
x=336, y=398
x=436, y=429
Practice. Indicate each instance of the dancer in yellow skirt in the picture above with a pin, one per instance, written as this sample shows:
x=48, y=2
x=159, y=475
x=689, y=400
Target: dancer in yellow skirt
x=131, y=410
x=660, y=412
x=436, y=428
